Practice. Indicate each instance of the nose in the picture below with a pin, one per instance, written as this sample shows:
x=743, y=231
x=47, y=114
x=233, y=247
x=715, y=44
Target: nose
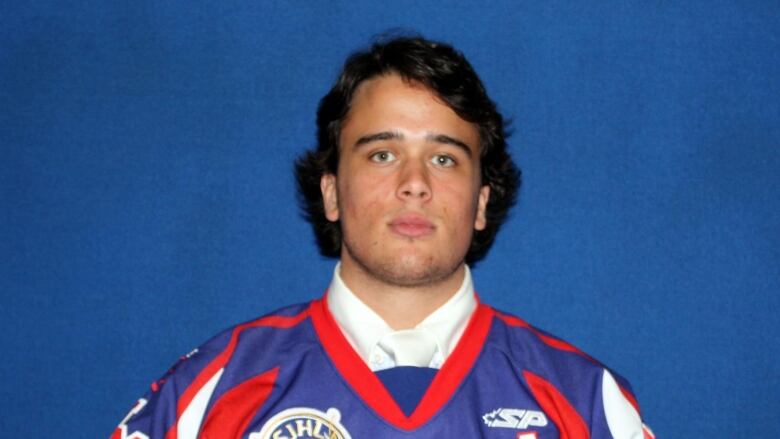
x=414, y=183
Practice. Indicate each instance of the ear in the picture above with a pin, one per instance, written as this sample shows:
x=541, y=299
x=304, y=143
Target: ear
x=481, y=220
x=330, y=199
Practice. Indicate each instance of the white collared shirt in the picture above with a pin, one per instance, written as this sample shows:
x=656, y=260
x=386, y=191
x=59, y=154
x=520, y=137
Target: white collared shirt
x=364, y=328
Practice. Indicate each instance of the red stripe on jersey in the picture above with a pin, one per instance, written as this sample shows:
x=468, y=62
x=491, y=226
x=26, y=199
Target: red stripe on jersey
x=570, y=424
x=230, y=416
x=356, y=373
x=456, y=367
x=222, y=359
x=351, y=366
x=512, y=320
x=550, y=341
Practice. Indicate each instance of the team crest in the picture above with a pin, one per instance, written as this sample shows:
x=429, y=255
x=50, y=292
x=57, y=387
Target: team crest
x=303, y=422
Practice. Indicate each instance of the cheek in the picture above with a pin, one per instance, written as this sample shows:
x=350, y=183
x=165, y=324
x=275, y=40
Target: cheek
x=459, y=205
x=360, y=201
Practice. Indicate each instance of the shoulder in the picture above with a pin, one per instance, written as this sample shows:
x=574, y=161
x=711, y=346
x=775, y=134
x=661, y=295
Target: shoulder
x=259, y=336
x=540, y=351
x=248, y=352
x=565, y=379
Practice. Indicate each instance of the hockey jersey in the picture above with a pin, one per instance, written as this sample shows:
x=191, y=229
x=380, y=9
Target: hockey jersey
x=293, y=375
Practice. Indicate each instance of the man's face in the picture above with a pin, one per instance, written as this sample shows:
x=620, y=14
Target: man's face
x=408, y=191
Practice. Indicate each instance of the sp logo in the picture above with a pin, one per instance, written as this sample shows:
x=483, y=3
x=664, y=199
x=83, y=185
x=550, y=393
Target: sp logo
x=514, y=418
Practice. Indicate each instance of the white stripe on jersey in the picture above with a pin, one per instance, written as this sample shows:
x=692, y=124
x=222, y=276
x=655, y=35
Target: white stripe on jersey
x=622, y=418
x=192, y=417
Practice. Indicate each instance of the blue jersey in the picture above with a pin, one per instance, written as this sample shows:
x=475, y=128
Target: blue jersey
x=293, y=375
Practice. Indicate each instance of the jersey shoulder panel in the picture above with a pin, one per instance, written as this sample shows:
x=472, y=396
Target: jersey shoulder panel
x=520, y=340
x=562, y=376
x=175, y=405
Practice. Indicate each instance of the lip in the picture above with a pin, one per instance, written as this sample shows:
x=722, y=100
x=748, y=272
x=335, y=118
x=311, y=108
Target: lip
x=411, y=226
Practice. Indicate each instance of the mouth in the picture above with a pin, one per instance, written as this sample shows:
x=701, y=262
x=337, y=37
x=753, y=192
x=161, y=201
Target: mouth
x=411, y=226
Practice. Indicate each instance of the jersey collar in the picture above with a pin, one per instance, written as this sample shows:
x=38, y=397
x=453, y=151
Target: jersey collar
x=363, y=328
x=370, y=389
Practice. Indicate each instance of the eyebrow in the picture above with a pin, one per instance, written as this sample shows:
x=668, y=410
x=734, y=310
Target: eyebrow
x=384, y=135
x=395, y=135
x=443, y=138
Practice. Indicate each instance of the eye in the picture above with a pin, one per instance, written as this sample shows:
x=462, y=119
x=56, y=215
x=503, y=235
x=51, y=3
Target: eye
x=443, y=161
x=382, y=157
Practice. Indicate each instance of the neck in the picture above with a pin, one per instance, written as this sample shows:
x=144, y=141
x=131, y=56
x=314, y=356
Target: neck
x=401, y=307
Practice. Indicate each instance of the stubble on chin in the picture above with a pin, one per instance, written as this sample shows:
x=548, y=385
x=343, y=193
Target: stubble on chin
x=403, y=270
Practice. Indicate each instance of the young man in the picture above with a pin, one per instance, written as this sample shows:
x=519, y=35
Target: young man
x=410, y=181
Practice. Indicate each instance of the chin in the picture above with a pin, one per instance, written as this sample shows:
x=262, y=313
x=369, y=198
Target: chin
x=404, y=264
x=414, y=270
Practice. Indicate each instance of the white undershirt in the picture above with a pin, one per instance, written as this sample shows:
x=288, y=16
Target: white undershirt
x=364, y=328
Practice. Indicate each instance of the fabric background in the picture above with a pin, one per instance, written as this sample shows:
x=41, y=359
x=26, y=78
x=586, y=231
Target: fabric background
x=148, y=199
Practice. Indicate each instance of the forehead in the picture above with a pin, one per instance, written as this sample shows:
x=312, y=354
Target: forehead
x=390, y=102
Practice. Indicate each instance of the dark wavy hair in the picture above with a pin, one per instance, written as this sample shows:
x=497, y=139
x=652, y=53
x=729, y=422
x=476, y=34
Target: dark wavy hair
x=447, y=73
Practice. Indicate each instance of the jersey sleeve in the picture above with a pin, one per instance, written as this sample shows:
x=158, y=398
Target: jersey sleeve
x=174, y=405
x=153, y=413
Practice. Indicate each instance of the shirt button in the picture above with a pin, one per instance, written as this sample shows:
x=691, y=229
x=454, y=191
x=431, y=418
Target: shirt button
x=376, y=359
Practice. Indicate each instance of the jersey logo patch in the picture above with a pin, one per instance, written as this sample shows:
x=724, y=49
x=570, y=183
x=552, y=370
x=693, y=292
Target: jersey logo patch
x=303, y=422
x=515, y=418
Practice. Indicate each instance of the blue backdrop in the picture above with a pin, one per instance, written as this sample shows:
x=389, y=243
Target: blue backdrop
x=148, y=199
